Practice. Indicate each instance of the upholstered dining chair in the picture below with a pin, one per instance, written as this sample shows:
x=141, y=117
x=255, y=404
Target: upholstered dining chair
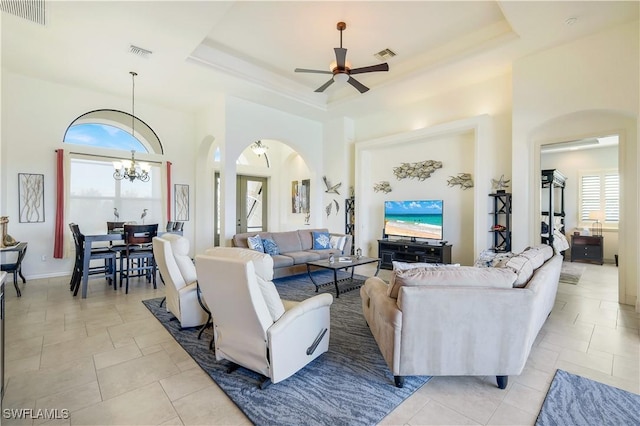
x=137, y=260
x=178, y=272
x=108, y=269
x=253, y=327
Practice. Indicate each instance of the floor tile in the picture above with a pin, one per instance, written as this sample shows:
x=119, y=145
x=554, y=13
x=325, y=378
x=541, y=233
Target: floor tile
x=109, y=361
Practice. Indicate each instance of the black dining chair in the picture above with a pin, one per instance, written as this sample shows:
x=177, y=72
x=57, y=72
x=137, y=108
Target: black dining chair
x=108, y=269
x=137, y=260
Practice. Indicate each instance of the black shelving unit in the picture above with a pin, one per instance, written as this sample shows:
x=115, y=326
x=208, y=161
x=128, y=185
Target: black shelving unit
x=553, y=184
x=501, y=228
x=350, y=220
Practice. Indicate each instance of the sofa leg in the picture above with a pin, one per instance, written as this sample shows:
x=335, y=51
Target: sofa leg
x=502, y=381
x=399, y=380
x=265, y=383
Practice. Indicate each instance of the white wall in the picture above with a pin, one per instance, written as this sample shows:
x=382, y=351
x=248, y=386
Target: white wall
x=570, y=164
x=35, y=115
x=453, y=151
x=586, y=87
x=482, y=110
x=246, y=122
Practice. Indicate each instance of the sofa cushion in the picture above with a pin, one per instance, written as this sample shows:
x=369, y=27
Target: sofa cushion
x=287, y=241
x=270, y=246
x=403, y=266
x=325, y=254
x=465, y=276
x=321, y=241
x=282, y=260
x=535, y=256
x=301, y=257
x=255, y=243
x=522, y=266
x=306, y=237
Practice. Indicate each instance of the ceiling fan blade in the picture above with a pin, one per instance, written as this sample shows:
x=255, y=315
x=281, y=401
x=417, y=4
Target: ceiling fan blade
x=355, y=83
x=324, y=86
x=341, y=56
x=312, y=71
x=372, y=68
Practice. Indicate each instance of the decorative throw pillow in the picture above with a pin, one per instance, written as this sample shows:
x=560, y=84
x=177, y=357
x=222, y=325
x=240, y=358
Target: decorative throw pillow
x=337, y=242
x=270, y=247
x=321, y=241
x=255, y=243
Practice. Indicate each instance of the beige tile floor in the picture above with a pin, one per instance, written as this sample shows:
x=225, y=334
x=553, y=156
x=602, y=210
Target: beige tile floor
x=106, y=360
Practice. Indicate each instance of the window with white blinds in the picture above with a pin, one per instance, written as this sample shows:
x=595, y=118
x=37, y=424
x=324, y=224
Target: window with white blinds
x=600, y=193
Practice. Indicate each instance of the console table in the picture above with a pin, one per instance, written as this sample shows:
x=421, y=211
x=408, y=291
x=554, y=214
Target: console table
x=408, y=251
x=587, y=248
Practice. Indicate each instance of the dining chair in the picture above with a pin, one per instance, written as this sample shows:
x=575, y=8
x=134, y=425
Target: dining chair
x=108, y=270
x=137, y=260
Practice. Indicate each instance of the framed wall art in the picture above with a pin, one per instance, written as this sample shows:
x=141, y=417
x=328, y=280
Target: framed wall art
x=31, y=197
x=181, y=197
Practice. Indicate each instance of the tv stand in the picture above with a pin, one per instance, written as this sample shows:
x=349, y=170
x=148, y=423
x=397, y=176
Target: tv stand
x=412, y=251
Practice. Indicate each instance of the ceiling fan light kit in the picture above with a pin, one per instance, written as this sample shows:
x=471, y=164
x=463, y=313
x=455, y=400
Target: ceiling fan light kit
x=341, y=68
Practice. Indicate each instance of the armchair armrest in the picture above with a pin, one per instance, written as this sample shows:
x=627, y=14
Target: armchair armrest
x=299, y=309
x=298, y=329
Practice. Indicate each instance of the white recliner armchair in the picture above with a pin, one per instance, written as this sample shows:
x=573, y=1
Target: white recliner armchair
x=253, y=327
x=171, y=252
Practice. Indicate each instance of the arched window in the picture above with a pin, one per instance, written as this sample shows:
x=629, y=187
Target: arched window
x=103, y=137
x=108, y=128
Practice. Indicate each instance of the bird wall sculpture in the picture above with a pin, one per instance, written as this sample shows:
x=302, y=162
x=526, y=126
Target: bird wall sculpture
x=143, y=215
x=116, y=215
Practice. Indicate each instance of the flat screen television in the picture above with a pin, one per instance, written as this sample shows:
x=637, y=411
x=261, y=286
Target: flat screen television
x=414, y=219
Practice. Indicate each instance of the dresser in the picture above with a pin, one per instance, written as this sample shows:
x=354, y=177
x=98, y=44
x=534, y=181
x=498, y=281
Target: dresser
x=587, y=248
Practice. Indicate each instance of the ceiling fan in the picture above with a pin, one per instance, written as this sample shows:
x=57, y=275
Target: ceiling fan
x=341, y=69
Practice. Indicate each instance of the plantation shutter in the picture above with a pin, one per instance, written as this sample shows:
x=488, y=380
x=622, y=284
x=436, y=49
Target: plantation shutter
x=611, y=197
x=589, y=195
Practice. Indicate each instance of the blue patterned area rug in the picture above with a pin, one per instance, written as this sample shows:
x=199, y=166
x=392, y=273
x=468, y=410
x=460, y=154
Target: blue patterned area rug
x=348, y=385
x=576, y=400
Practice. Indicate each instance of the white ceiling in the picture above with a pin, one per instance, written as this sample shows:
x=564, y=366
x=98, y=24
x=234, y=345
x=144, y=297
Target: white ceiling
x=250, y=49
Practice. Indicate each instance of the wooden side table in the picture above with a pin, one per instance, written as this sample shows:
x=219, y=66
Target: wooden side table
x=587, y=249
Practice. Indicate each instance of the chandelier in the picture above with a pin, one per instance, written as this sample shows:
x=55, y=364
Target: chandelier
x=129, y=169
x=259, y=148
x=132, y=170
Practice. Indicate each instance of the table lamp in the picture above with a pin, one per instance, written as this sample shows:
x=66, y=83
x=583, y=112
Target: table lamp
x=596, y=228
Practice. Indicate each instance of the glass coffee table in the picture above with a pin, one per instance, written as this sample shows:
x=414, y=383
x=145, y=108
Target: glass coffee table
x=337, y=265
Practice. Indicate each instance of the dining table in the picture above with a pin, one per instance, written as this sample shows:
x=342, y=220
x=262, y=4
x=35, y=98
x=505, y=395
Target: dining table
x=89, y=240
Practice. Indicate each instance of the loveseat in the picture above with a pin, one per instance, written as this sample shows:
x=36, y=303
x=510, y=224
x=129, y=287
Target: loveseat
x=295, y=248
x=462, y=321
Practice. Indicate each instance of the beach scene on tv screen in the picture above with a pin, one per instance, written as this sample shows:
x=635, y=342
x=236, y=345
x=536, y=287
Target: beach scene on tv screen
x=418, y=219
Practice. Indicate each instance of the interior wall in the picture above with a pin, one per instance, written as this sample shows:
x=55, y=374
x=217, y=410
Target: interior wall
x=29, y=148
x=570, y=164
x=246, y=122
x=558, y=95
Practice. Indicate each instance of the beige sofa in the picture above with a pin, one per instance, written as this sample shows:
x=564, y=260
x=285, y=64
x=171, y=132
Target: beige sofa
x=296, y=248
x=465, y=321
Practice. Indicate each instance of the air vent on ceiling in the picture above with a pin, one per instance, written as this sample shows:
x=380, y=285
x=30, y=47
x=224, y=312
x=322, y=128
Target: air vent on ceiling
x=31, y=10
x=139, y=51
x=385, y=54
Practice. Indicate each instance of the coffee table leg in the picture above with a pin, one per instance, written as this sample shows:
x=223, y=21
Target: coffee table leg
x=335, y=282
x=378, y=267
x=312, y=280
